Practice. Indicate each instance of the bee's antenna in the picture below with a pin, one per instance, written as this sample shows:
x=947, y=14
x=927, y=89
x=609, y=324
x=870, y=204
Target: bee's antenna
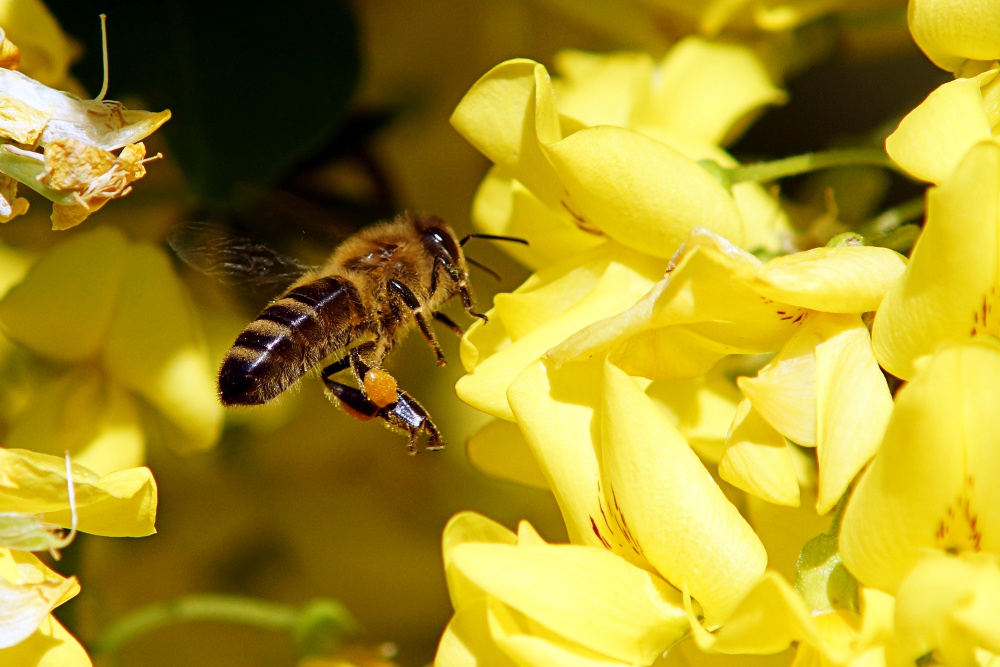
x=484, y=268
x=492, y=237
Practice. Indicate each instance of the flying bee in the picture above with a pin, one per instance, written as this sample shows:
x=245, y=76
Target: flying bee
x=373, y=289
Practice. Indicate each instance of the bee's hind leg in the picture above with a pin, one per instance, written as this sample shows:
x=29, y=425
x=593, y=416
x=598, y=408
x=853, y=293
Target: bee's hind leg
x=406, y=414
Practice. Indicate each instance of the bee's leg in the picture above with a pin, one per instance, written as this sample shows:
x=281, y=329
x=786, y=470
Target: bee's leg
x=411, y=302
x=462, y=281
x=352, y=400
x=404, y=415
x=448, y=322
x=408, y=415
x=336, y=367
x=377, y=385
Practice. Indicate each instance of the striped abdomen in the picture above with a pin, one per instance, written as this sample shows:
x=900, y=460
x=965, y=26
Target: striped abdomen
x=292, y=335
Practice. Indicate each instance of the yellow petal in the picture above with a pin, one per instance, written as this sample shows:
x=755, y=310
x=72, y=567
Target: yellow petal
x=708, y=289
x=155, y=347
x=602, y=89
x=948, y=605
x=784, y=391
x=933, y=138
x=610, y=281
x=853, y=406
x=851, y=279
x=505, y=115
x=758, y=461
x=28, y=592
x=468, y=528
x=930, y=486
x=705, y=90
x=468, y=640
x=21, y=122
x=79, y=279
x=771, y=617
x=585, y=594
x=534, y=645
x=46, y=52
x=504, y=206
x=119, y=504
x=701, y=408
x=51, y=645
x=948, y=289
x=499, y=450
x=557, y=410
x=950, y=33
x=639, y=191
x=666, y=508
x=83, y=414
x=105, y=125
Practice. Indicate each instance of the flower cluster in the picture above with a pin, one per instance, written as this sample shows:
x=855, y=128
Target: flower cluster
x=62, y=146
x=667, y=384
x=39, y=494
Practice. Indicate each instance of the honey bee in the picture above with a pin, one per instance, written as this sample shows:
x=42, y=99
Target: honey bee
x=373, y=289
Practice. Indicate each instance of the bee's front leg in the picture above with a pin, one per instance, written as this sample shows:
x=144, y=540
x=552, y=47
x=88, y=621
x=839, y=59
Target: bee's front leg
x=405, y=414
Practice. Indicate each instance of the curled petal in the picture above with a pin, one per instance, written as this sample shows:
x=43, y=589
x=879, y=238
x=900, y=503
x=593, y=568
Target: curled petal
x=933, y=138
x=851, y=279
x=119, y=504
x=953, y=33
x=666, y=508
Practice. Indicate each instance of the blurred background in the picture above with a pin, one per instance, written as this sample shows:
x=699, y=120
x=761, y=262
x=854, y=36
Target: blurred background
x=296, y=126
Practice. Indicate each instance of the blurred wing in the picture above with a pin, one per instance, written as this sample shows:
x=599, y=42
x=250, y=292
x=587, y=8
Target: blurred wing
x=232, y=260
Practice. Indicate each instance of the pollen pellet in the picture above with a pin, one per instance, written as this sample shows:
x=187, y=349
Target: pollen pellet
x=380, y=387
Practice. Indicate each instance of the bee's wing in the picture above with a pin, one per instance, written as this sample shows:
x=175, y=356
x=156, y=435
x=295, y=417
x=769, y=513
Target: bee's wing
x=232, y=260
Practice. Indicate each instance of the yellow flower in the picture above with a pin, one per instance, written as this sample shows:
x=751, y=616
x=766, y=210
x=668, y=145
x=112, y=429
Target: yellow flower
x=933, y=139
x=921, y=524
x=949, y=288
x=956, y=36
x=75, y=169
x=823, y=389
x=35, y=499
x=126, y=331
x=627, y=481
x=946, y=608
x=519, y=600
x=931, y=485
x=567, y=153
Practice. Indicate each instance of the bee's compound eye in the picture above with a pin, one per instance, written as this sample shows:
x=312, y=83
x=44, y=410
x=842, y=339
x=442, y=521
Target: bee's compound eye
x=443, y=239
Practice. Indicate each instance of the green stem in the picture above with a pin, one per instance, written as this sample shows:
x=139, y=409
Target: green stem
x=894, y=217
x=320, y=617
x=763, y=172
